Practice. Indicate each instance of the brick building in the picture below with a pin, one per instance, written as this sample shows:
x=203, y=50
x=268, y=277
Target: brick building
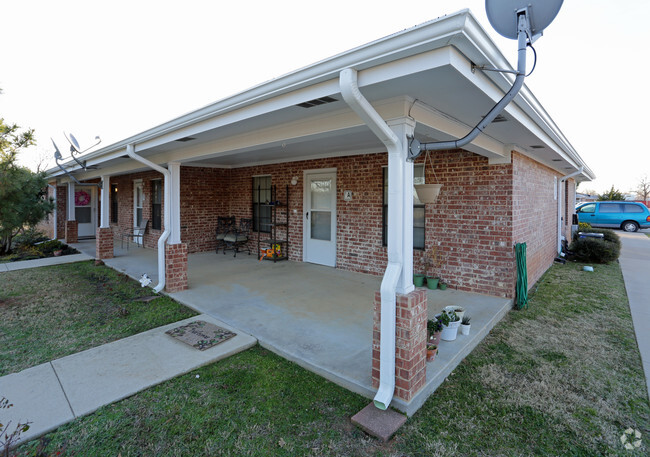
x=299, y=134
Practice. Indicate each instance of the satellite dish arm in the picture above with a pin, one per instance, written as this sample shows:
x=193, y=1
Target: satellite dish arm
x=416, y=148
x=56, y=159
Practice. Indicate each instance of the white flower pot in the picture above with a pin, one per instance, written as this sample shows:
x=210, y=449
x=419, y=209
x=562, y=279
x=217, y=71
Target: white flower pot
x=464, y=329
x=428, y=193
x=450, y=331
x=460, y=314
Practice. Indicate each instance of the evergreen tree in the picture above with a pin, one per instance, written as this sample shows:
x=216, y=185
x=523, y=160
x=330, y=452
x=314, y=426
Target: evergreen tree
x=611, y=194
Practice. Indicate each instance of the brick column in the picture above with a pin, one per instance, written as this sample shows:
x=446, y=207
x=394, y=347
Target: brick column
x=175, y=267
x=410, y=343
x=71, y=232
x=104, y=243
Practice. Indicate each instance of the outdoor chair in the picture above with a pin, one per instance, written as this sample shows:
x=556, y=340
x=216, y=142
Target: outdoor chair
x=224, y=226
x=136, y=234
x=237, y=238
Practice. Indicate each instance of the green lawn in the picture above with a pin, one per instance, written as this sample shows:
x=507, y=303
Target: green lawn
x=50, y=312
x=562, y=378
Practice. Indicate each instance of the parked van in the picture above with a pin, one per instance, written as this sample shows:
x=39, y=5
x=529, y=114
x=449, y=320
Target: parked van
x=629, y=216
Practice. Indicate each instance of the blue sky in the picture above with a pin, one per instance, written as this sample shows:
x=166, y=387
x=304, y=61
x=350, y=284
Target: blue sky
x=116, y=68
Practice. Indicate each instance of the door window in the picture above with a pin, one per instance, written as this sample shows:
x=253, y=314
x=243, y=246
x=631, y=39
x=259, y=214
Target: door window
x=321, y=209
x=590, y=208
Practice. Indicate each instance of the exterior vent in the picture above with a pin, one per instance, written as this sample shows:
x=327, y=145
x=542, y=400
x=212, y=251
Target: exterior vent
x=185, y=139
x=499, y=118
x=557, y=160
x=537, y=146
x=316, y=102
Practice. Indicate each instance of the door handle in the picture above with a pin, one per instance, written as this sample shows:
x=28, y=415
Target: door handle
x=307, y=215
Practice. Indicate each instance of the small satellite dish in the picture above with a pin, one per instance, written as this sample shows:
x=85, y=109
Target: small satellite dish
x=503, y=15
x=74, y=144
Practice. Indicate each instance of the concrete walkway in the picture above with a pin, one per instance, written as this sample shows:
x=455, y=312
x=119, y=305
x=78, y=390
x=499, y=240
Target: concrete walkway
x=635, y=264
x=54, y=393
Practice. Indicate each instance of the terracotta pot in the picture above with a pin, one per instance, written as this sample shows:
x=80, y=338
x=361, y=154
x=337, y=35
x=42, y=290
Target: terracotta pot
x=431, y=354
x=435, y=338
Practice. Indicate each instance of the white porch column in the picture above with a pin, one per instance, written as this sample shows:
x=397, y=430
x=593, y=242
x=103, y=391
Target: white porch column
x=175, y=200
x=70, y=205
x=403, y=127
x=104, y=209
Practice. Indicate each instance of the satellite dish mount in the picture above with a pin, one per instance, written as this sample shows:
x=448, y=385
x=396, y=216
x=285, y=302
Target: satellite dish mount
x=74, y=149
x=523, y=20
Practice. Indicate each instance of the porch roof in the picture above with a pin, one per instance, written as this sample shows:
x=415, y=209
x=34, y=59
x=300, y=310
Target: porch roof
x=425, y=72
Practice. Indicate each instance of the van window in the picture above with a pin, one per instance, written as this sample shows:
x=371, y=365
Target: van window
x=611, y=208
x=633, y=208
x=590, y=208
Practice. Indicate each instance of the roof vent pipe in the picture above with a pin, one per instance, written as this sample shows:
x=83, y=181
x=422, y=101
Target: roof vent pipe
x=130, y=150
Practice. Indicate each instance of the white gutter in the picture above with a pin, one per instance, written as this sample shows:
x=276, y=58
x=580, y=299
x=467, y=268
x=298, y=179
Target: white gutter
x=361, y=106
x=559, y=206
x=130, y=150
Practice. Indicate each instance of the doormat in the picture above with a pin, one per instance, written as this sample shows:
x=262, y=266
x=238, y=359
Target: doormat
x=200, y=334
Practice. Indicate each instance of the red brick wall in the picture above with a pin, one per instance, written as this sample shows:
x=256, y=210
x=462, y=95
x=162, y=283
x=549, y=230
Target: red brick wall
x=535, y=213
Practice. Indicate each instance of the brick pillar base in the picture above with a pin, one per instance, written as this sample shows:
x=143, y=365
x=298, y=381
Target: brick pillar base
x=71, y=231
x=175, y=267
x=410, y=343
x=104, y=243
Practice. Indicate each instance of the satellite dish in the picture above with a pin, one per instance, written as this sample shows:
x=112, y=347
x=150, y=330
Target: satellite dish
x=57, y=153
x=503, y=15
x=74, y=144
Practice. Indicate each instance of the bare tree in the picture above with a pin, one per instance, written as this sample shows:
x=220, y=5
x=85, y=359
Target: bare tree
x=643, y=189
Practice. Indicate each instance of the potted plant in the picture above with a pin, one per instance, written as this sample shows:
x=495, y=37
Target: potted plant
x=418, y=280
x=432, y=350
x=432, y=261
x=450, y=323
x=428, y=193
x=434, y=327
x=442, y=285
x=459, y=310
x=465, y=325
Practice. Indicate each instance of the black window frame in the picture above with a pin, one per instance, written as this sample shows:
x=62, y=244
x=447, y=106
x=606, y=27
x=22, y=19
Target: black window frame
x=156, y=203
x=114, y=204
x=418, y=243
x=261, y=191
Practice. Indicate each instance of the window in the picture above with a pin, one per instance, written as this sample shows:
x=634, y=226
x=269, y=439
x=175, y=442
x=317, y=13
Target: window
x=156, y=204
x=610, y=208
x=629, y=208
x=261, y=195
x=114, y=203
x=418, y=209
x=590, y=208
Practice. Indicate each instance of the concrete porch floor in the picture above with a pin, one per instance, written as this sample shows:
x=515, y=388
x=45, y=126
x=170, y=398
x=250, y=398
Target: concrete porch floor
x=316, y=316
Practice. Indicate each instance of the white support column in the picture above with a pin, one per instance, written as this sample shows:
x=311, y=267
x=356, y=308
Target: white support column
x=404, y=127
x=104, y=209
x=70, y=205
x=175, y=194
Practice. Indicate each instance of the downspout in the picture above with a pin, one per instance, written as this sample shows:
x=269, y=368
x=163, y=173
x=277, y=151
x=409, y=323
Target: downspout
x=559, y=206
x=53, y=187
x=361, y=106
x=130, y=150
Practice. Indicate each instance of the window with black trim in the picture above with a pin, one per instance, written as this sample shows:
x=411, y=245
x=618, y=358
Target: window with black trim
x=261, y=196
x=114, y=205
x=156, y=204
x=418, y=209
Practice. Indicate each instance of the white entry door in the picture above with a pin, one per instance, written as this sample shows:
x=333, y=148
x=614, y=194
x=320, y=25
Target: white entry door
x=85, y=213
x=319, y=223
x=138, y=205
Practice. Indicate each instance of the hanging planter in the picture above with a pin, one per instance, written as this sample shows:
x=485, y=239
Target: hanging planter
x=428, y=193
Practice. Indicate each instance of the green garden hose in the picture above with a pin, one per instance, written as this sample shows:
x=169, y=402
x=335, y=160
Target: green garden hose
x=522, y=277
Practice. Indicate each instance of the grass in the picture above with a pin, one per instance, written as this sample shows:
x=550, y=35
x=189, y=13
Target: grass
x=50, y=312
x=562, y=378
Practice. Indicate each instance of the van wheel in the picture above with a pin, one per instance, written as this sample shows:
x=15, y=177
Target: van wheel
x=630, y=226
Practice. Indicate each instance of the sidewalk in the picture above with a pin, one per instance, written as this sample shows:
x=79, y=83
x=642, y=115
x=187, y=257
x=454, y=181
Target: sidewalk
x=635, y=264
x=54, y=393
x=24, y=264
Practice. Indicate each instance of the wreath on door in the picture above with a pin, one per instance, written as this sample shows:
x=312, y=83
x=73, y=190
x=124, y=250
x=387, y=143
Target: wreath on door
x=81, y=198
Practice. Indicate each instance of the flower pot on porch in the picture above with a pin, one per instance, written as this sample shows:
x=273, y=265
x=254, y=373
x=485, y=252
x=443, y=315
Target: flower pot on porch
x=449, y=332
x=432, y=350
x=464, y=329
x=442, y=285
x=418, y=280
x=434, y=338
x=428, y=193
x=432, y=283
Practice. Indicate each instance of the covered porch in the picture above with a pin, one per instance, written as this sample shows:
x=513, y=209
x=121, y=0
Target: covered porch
x=316, y=316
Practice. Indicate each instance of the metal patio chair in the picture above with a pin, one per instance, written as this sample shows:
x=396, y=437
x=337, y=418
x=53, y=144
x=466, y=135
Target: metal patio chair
x=224, y=226
x=136, y=234
x=238, y=238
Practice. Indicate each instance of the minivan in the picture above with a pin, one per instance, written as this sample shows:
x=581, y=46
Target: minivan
x=629, y=216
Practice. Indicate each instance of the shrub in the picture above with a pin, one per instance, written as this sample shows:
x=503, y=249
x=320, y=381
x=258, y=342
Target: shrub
x=582, y=226
x=48, y=247
x=610, y=235
x=29, y=237
x=595, y=250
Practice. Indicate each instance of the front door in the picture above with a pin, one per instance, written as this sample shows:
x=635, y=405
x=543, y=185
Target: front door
x=319, y=223
x=84, y=211
x=138, y=205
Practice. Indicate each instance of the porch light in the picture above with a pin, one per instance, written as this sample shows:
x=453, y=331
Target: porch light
x=294, y=180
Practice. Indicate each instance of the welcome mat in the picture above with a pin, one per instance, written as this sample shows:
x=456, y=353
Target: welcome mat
x=200, y=334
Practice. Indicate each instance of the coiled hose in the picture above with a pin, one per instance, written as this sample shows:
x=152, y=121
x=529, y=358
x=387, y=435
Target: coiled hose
x=521, y=301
